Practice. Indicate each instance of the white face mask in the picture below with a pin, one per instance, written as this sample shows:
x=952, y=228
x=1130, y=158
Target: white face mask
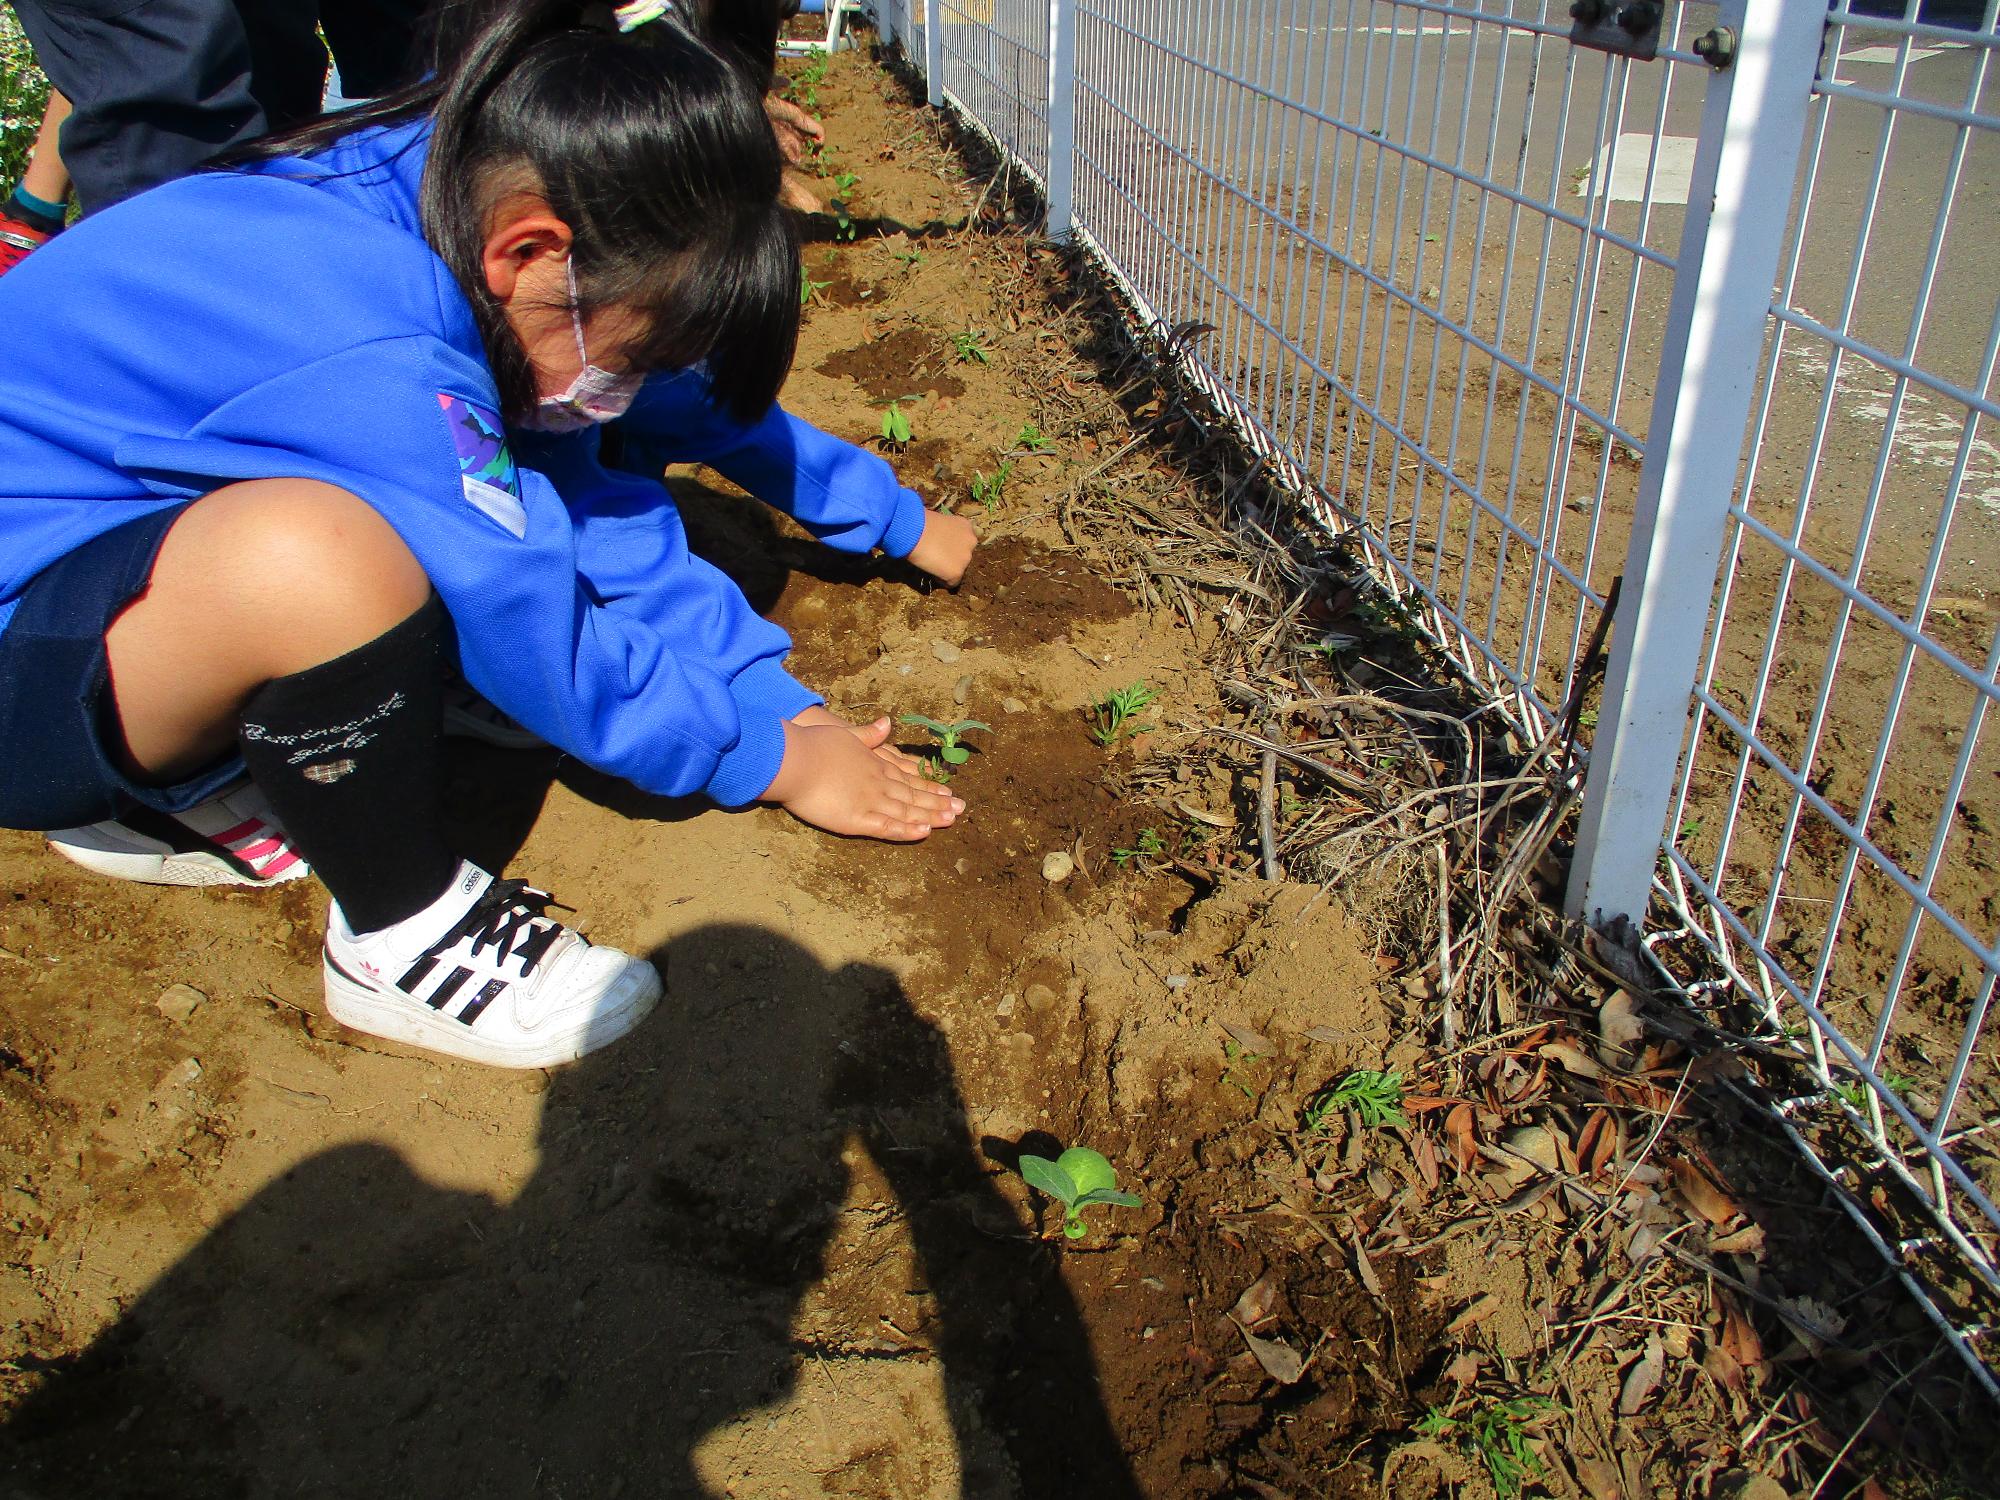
x=594, y=396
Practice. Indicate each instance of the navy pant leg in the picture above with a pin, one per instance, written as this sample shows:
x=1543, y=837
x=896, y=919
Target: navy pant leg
x=158, y=86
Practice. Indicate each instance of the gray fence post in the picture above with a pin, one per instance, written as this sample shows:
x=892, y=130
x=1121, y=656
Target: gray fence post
x=1752, y=128
x=1062, y=118
x=884, y=13
x=934, y=52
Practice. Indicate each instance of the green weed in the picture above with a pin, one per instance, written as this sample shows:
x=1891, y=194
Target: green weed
x=1030, y=440
x=969, y=347
x=896, y=429
x=1498, y=1434
x=1149, y=845
x=1115, y=712
x=1376, y=1097
x=809, y=289
x=988, y=488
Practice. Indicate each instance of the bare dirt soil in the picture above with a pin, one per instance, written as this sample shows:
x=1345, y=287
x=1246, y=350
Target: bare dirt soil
x=776, y=1243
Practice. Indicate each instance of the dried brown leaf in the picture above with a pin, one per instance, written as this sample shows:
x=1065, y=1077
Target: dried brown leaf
x=1258, y=1302
x=1458, y=1124
x=1749, y=1240
x=1642, y=1380
x=1253, y=1043
x=1723, y=1369
x=1596, y=1144
x=1280, y=1360
x=1619, y=1030
x=1426, y=1159
x=1702, y=1195
x=1463, y=1370
x=1739, y=1338
x=1366, y=1269
x=1599, y=1479
x=1571, y=1059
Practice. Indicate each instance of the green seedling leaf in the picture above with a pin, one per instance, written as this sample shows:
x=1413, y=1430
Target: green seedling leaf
x=1107, y=1195
x=956, y=755
x=1088, y=1169
x=1051, y=1179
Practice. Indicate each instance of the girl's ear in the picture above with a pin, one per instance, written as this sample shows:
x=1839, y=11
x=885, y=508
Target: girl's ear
x=524, y=240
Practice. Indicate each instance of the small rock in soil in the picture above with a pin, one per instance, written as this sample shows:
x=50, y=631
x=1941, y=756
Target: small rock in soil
x=1013, y=706
x=961, y=690
x=945, y=651
x=1039, y=998
x=180, y=1001
x=1006, y=1006
x=1057, y=867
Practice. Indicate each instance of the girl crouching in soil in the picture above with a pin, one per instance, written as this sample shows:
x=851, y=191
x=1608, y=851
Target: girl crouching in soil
x=281, y=443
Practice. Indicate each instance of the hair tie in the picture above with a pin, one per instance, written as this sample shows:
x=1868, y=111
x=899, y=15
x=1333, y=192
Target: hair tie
x=636, y=13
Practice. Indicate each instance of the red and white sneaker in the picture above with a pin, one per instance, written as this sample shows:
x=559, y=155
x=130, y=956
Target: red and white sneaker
x=231, y=839
x=484, y=974
x=17, y=240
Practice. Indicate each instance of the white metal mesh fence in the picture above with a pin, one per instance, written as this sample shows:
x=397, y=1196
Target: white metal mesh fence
x=1490, y=302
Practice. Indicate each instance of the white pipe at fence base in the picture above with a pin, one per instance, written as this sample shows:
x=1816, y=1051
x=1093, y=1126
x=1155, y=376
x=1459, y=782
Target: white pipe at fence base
x=1062, y=119
x=934, y=53
x=1753, y=125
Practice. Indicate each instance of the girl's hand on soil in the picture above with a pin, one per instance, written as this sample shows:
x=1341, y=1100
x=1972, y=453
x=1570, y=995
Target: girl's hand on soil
x=945, y=549
x=793, y=127
x=875, y=736
x=834, y=778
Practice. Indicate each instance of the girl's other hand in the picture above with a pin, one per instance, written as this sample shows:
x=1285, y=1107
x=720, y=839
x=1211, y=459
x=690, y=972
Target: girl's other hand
x=794, y=128
x=848, y=779
x=945, y=549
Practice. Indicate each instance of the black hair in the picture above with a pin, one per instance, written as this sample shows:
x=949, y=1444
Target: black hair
x=651, y=145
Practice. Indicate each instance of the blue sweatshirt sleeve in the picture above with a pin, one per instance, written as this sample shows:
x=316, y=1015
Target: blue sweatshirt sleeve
x=597, y=631
x=847, y=497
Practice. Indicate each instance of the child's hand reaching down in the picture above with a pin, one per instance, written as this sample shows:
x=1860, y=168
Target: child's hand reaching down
x=848, y=778
x=945, y=549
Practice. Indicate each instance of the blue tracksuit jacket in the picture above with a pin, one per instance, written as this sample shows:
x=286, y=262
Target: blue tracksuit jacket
x=292, y=322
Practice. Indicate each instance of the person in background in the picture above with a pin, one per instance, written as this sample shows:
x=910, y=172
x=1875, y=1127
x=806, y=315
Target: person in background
x=35, y=209
x=158, y=87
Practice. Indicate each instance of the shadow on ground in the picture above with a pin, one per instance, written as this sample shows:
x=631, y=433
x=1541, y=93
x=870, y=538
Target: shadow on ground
x=356, y=1330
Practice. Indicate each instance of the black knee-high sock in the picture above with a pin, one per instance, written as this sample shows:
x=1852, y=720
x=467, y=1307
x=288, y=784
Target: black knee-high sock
x=350, y=754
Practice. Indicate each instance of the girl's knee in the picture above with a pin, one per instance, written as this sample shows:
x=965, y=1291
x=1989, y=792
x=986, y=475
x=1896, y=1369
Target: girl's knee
x=317, y=550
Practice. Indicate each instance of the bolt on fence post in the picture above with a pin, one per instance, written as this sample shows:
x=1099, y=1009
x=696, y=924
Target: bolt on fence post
x=934, y=52
x=1752, y=129
x=1062, y=118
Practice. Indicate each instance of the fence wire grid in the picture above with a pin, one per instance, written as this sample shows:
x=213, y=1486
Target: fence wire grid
x=1501, y=310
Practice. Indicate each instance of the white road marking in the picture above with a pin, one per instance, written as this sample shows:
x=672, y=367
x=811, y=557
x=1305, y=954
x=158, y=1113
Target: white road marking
x=1672, y=172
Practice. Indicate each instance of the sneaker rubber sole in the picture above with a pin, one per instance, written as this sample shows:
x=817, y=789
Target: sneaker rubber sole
x=364, y=1008
x=103, y=851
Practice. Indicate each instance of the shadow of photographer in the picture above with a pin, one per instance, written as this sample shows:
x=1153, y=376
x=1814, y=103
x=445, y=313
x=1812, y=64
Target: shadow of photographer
x=697, y=1292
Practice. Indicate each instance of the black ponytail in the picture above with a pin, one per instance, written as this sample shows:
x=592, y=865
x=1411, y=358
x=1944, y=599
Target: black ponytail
x=652, y=146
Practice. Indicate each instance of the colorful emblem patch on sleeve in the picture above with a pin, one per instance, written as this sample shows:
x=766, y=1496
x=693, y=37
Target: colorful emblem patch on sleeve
x=486, y=469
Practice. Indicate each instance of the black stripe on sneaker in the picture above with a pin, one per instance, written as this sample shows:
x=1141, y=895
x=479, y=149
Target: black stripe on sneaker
x=488, y=993
x=413, y=975
x=448, y=986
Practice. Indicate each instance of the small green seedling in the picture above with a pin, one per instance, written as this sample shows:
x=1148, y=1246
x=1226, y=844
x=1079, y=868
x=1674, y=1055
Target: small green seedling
x=1855, y=1094
x=1030, y=439
x=1077, y=1179
x=911, y=259
x=843, y=216
x=988, y=488
x=1235, y=1059
x=1149, y=845
x=1498, y=1434
x=808, y=288
x=1116, y=710
x=895, y=425
x=1376, y=1097
x=949, y=751
x=805, y=83
x=969, y=347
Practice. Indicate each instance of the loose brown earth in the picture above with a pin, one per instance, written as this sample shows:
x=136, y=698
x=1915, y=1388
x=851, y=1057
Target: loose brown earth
x=773, y=1244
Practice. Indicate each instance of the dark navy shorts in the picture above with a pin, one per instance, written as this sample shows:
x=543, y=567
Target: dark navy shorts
x=57, y=721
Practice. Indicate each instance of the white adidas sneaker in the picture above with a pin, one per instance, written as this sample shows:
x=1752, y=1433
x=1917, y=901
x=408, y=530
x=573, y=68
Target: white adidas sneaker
x=231, y=839
x=483, y=974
